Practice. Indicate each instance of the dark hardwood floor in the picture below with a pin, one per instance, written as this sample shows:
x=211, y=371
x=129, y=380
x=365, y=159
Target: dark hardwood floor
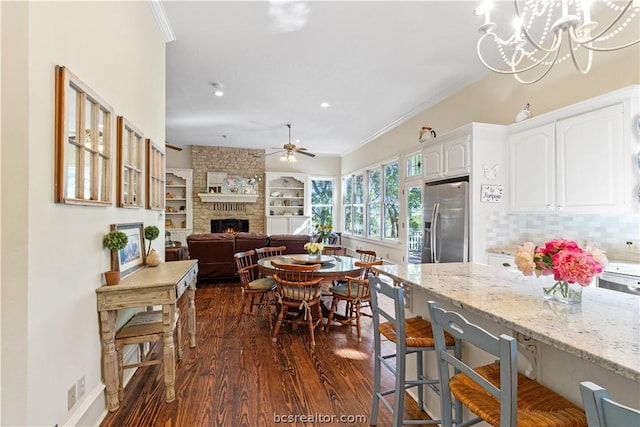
x=236, y=376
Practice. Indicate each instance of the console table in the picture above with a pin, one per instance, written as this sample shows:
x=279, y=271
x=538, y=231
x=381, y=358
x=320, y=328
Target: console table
x=161, y=285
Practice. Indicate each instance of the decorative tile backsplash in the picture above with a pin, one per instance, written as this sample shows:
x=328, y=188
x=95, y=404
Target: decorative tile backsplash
x=608, y=232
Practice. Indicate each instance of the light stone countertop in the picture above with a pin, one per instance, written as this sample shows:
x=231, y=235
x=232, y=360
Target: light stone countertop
x=604, y=329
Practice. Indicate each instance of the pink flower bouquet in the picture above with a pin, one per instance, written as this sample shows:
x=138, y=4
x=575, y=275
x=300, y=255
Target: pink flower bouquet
x=564, y=259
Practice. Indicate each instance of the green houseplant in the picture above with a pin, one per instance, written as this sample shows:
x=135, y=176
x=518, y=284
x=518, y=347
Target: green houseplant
x=151, y=232
x=114, y=241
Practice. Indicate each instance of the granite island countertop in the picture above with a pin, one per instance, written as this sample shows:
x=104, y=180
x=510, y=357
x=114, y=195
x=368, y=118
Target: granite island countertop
x=604, y=329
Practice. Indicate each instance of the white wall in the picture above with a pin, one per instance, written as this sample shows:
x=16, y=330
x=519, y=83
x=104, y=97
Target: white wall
x=55, y=258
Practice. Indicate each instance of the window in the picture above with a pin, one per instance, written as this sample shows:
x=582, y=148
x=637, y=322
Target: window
x=155, y=176
x=414, y=165
x=374, y=203
x=347, y=199
x=131, y=157
x=83, y=137
x=383, y=204
x=321, y=202
x=353, y=204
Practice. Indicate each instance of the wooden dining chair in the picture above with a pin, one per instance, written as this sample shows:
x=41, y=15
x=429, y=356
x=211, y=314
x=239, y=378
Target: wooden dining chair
x=602, y=411
x=496, y=393
x=297, y=288
x=254, y=285
x=355, y=292
x=366, y=256
x=269, y=251
x=332, y=250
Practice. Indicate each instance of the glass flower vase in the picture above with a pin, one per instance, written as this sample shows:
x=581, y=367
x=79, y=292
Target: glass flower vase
x=564, y=292
x=314, y=255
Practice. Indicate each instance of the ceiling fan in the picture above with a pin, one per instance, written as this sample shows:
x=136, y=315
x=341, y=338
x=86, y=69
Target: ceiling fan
x=173, y=147
x=289, y=149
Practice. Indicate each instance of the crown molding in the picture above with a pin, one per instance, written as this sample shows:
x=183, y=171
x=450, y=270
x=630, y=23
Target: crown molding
x=162, y=20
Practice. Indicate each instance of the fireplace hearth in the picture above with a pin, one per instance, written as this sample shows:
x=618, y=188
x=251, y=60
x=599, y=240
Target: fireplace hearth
x=229, y=225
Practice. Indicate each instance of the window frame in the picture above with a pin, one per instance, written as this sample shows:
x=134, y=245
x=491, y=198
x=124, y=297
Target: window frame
x=130, y=168
x=332, y=206
x=98, y=150
x=156, y=176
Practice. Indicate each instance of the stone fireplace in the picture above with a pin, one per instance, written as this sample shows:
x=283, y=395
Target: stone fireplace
x=233, y=161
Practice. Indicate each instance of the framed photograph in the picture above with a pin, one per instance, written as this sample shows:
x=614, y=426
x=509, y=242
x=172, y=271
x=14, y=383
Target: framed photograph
x=131, y=258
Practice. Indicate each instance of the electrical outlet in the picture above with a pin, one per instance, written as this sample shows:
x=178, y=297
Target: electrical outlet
x=71, y=397
x=80, y=387
x=633, y=246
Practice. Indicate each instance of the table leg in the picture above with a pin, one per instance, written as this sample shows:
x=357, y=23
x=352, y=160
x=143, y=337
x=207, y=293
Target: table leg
x=191, y=294
x=169, y=361
x=109, y=359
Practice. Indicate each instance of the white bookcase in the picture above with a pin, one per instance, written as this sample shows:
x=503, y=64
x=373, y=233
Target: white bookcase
x=179, y=203
x=287, y=203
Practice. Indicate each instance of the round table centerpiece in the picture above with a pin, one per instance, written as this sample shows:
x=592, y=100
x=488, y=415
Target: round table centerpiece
x=314, y=250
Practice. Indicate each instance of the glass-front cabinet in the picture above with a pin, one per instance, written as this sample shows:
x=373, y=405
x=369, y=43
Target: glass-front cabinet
x=287, y=203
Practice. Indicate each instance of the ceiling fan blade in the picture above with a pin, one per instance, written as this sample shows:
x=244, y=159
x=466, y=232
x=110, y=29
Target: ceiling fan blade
x=305, y=153
x=275, y=152
x=173, y=147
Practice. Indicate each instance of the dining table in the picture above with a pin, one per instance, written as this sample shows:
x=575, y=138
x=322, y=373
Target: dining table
x=332, y=268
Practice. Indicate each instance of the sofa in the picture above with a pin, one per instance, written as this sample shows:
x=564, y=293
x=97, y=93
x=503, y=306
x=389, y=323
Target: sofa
x=214, y=251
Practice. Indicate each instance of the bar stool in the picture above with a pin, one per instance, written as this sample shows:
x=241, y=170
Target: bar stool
x=496, y=392
x=144, y=327
x=602, y=411
x=412, y=335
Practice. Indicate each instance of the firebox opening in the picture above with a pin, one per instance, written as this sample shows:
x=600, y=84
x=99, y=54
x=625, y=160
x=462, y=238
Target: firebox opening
x=229, y=225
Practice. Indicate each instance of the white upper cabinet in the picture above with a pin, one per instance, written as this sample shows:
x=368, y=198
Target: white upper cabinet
x=447, y=157
x=572, y=165
x=590, y=161
x=532, y=169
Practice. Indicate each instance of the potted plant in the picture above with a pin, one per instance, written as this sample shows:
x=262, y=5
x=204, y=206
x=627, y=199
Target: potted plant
x=114, y=241
x=151, y=232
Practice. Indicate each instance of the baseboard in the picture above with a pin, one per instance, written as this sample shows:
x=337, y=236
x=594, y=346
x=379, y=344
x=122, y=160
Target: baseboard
x=92, y=409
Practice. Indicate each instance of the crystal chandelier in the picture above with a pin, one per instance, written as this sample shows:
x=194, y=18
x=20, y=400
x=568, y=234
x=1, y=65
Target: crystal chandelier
x=541, y=27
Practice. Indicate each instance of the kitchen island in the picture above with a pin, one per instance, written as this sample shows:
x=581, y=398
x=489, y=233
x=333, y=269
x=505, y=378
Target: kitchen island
x=560, y=345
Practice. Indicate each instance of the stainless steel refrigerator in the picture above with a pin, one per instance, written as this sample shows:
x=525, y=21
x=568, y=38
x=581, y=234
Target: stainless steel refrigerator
x=446, y=221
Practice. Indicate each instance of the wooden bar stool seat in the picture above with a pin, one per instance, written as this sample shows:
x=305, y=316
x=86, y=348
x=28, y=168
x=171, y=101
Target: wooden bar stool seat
x=144, y=327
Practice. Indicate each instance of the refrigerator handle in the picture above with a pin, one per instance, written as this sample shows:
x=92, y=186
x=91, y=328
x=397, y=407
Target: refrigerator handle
x=434, y=231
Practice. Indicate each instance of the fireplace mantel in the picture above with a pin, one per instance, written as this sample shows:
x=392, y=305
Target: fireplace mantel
x=227, y=198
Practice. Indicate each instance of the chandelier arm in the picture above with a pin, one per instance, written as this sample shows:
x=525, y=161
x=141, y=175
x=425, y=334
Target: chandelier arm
x=578, y=66
x=551, y=64
x=499, y=71
x=557, y=41
x=610, y=49
x=608, y=27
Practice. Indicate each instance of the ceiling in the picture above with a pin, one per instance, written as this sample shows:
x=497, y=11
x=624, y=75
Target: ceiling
x=376, y=63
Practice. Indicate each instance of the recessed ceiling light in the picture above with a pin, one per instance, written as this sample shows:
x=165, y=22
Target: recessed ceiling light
x=325, y=105
x=217, y=89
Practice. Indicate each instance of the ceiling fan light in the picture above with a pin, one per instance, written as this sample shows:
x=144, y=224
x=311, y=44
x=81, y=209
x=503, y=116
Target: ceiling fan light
x=292, y=158
x=284, y=158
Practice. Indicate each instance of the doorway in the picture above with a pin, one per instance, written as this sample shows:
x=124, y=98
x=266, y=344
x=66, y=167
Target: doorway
x=413, y=202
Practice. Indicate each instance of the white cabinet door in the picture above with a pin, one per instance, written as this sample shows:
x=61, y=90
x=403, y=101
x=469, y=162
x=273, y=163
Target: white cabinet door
x=277, y=225
x=433, y=161
x=590, y=161
x=299, y=225
x=448, y=158
x=456, y=157
x=532, y=170
x=288, y=224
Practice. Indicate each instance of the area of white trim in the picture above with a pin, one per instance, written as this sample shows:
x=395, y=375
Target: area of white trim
x=162, y=20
